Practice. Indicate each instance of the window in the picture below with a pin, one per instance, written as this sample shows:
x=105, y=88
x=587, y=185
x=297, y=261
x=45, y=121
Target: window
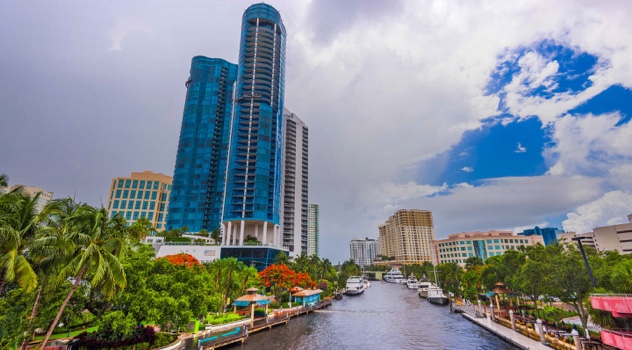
x=464, y=255
x=153, y=195
x=462, y=248
x=497, y=247
x=162, y=207
x=143, y=214
x=160, y=217
x=149, y=184
x=140, y=194
x=128, y=183
x=163, y=197
x=496, y=241
x=155, y=185
x=116, y=204
x=118, y=193
x=152, y=206
x=159, y=226
x=147, y=194
x=142, y=184
x=120, y=183
x=135, y=184
x=125, y=194
x=132, y=194
x=135, y=215
x=128, y=215
x=489, y=241
x=469, y=248
x=137, y=205
x=145, y=205
x=150, y=216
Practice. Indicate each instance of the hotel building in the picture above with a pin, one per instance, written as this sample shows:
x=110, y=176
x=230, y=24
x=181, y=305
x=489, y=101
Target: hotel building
x=407, y=236
x=44, y=196
x=458, y=247
x=614, y=237
x=142, y=195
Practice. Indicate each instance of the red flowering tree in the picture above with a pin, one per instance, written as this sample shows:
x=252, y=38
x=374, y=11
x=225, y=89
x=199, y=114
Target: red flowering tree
x=277, y=277
x=182, y=259
x=304, y=281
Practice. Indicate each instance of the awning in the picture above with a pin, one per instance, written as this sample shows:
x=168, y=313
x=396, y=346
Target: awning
x=246, y=303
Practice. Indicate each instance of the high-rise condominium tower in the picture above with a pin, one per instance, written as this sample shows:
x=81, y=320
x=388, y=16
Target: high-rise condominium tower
x=313, y=230
x=407, y=236
x=363, y=251
x=295, y=156
x=252, y=196
x=198, y=181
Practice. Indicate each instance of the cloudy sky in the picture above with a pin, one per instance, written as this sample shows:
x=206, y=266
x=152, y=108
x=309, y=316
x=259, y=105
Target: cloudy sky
x=491, y=114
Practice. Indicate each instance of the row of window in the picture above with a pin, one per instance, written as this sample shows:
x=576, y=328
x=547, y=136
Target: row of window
x=463, y=255
x=133, y=194
x=142, y=184
x=144, y=205
x=488, y=241
x=135, y=215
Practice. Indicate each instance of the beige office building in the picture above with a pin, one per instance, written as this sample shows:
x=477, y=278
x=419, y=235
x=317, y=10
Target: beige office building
x=458, y=247
x=588, y=240
x=615, y=237
x=44, y=198
x=407, y=236
x=143, y=195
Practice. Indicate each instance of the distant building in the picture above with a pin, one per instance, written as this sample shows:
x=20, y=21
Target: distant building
x=44, y=196
x=457, y=248
x=614, y=237
x=363, y=251
x=588, y=240
x=407, y=236
x=549, y=234
x=142, y=195
x=313, y=230
x=295, y=181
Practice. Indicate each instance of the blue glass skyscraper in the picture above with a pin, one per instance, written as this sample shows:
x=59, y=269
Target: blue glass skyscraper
x=252, y=199
x=199, y=176
x=549, y=234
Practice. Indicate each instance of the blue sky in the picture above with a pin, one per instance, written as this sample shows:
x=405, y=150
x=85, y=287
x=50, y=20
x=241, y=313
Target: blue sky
x=493, y=115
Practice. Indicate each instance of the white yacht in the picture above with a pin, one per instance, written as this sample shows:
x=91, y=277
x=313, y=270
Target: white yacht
x=411, y=283
x=355, y=285
x=436, y=295
x=422, y=286
x=394, y=276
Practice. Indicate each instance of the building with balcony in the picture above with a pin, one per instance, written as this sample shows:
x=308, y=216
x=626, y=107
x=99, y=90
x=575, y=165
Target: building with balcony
x=620, y=305
x=295, y=181
x=142, y=195
x=200, y=171
x=549, y=234
x=313, y=230
x=614, y=237
x=363, y=251
x=458, y=247
x=407, y=236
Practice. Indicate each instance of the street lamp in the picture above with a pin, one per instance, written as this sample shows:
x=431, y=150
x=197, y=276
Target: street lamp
x=581, y=249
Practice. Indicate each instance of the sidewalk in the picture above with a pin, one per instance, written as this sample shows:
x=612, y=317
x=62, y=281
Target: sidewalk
x=507, y=334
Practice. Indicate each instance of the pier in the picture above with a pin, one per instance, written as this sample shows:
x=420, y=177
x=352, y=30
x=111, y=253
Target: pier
x=210, y=341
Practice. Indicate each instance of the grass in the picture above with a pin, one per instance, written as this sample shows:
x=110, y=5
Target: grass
x=65, y=335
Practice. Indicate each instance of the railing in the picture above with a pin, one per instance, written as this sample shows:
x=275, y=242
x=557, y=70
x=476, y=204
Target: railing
x=619, y=304
x=619, y=339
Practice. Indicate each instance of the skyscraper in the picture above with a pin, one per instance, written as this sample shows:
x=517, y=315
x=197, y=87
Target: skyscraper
x=363, y=251
x=252, y=197
x=313, y=230
x=295, y=159
x=407, y=236
x=198, y=180
x=549, y=234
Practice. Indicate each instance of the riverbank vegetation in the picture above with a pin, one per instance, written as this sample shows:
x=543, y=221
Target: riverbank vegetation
x=71, y=268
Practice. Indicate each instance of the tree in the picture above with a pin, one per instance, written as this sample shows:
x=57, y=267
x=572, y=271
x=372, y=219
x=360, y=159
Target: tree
x=473, y=261
x=216, y=235
x=535, y=276
x=99, y=243
x=277, y=277
x=282, y=259
x=4, y=180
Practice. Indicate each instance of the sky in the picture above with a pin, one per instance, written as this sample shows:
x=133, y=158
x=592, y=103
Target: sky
x=491, y=114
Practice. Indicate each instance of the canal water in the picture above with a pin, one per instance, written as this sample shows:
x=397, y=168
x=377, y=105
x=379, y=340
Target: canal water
x=385, y=316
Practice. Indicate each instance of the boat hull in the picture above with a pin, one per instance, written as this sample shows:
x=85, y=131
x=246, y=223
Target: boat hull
x=354, y=291
x=438, y=300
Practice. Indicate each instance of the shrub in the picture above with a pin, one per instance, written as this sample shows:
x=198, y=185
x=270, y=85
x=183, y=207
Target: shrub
x=222, y=319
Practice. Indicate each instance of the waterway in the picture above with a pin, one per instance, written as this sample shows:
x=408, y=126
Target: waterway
x=385, y=316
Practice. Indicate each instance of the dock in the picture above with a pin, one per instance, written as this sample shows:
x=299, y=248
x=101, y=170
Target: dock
x=212, y=341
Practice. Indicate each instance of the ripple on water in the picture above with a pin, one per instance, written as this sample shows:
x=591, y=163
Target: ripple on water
x=386, y=316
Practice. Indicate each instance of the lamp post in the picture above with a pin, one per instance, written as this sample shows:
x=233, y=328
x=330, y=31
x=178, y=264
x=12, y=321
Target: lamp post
x=581, y=249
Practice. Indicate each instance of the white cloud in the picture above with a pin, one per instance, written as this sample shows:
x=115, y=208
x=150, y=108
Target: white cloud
x=123, y=28
x=520, y=148
x=520, y=229
x=467, y=169
x=612, y=208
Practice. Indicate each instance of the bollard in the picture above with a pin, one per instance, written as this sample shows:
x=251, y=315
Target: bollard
x=480, y=307
x=489, y=320
x=491, y=311
x=540, y=330
x=578, y=343
x=513, y=320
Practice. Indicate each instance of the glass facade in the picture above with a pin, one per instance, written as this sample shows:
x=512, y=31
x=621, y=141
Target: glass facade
x=549, y=234
x=258, y=257
x=253, y=186
x=198, y=182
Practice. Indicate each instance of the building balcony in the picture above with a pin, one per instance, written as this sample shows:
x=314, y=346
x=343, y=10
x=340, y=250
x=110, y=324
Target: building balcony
x=620, y=305
x=618, y=339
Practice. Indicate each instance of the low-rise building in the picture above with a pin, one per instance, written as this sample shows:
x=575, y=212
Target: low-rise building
x=549, y=234
x=614, y=237
x=142, y=195
x=44, y=196
x=458, y=247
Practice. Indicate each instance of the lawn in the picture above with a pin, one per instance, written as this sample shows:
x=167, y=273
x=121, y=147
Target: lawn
x=72, y=334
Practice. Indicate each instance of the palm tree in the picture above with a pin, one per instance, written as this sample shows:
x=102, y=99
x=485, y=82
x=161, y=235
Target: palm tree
x=18, y=227
x=4, y=180
x=99, y=244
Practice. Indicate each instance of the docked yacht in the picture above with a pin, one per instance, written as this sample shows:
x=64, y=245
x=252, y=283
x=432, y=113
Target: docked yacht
x=355, y=285
x=436, y=295
x=365, y=279
x=411, y=283
x=422, y=286
x=394, y=276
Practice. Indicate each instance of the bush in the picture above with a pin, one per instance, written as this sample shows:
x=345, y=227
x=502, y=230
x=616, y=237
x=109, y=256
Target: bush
x=222, y=319
x=98, y=340
x=178, y=239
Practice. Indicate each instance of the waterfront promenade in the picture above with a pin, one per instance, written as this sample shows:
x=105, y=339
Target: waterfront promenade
x=507, y=334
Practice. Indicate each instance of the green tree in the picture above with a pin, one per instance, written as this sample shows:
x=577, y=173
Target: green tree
x=473, y=261
x=281, y=259
x=99, y=243
x=535, y=276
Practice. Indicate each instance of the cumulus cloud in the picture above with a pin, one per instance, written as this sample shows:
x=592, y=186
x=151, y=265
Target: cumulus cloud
x=610, y=209
x=467, y=169
x=520, y=148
